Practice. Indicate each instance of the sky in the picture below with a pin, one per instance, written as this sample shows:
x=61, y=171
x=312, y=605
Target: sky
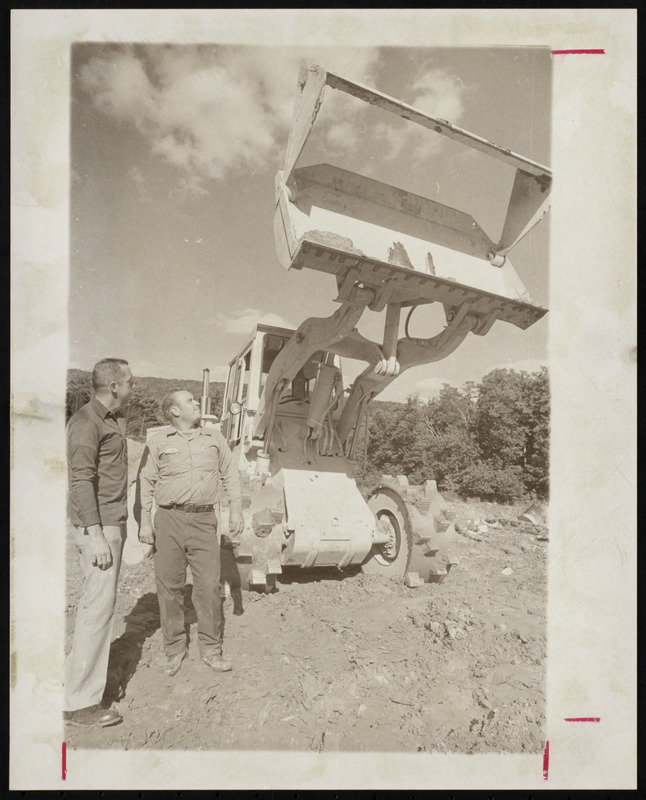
x=174, y=150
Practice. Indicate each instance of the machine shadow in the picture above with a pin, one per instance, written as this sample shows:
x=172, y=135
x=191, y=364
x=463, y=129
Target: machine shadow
x=297, y=575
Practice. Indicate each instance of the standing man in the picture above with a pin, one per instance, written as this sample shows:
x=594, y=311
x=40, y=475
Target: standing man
x=97, y=461
x=181, y=470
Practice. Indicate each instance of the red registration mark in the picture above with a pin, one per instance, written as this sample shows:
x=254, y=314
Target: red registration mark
x=578, y=52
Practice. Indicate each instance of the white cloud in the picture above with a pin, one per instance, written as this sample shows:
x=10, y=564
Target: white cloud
x=208, y=111
x=211, y=111
x=244, y=320
x=439, y=93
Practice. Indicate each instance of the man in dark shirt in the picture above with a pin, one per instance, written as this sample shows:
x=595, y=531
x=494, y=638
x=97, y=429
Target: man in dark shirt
x=181, y=470
x=97, y=461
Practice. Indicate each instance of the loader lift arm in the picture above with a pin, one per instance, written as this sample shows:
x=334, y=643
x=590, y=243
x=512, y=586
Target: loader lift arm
x=315, y=333
x=410, y=352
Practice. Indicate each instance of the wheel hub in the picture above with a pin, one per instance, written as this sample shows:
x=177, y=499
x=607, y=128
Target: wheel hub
x=390, y=548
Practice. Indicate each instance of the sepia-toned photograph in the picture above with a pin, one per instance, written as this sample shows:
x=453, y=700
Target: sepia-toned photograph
x=309, y=411
x=373, y=577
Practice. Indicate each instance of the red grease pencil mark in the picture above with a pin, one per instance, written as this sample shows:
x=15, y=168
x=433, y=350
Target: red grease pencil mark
x=583, y=719
x=577, y=52
x=64, y=757
x=546, y=760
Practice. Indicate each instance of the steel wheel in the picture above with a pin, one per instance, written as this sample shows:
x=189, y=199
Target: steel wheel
x=393, y=557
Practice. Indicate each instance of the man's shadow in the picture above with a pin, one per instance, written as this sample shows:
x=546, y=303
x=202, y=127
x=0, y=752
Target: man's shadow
x=126, y=651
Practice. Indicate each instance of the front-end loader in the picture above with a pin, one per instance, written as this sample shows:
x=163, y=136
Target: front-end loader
x=287, y=415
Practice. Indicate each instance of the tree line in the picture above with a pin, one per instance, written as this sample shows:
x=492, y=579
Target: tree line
x=144, y=409
x=488, y=439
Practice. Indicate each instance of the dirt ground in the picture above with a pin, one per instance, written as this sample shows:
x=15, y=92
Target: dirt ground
x=351, y=662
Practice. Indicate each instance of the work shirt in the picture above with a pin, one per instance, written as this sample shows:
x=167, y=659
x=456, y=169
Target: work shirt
x=97, y=461
x=180, y=468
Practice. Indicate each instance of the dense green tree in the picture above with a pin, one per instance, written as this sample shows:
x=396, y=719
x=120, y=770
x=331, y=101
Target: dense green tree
x=400, y=441
x=79, y=391
x=537, y=457
x=489, y=439
x=142, y=412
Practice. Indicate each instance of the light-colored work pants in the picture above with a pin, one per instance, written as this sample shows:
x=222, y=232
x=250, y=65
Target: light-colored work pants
x=86, y=666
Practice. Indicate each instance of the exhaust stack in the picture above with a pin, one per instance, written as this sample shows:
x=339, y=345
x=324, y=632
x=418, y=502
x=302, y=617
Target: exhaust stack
x=205, y=400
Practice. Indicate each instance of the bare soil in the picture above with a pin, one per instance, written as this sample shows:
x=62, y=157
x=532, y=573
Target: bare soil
x=350, y=662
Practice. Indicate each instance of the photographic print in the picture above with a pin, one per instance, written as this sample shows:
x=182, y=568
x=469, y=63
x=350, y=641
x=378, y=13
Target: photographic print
x=313, y=343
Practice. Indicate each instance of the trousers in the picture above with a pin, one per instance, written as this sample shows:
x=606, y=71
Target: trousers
x=188, y=538
x=86, y=665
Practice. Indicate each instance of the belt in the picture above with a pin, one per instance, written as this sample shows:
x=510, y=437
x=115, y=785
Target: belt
x=188, y=507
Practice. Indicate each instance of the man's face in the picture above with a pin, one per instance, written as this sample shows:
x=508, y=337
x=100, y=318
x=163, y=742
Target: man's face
x=123, y=387
x=188, y=408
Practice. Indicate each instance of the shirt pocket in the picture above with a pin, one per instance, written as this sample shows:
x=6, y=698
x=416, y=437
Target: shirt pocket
x=170, y=462
x=207, y=458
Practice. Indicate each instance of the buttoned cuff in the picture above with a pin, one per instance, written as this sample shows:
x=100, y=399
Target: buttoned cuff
x=88, y=518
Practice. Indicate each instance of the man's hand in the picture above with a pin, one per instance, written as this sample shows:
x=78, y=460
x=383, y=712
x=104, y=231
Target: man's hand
x=99, y=548
x=236, y=523
x=146, y=535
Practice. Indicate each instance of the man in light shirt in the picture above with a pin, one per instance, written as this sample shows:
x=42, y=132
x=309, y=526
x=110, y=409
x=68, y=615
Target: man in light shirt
x=181, y=470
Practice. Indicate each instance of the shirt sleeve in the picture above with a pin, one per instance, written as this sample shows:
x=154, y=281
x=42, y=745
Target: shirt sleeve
x=148, y=475
x=230, y=476
x=82, y=457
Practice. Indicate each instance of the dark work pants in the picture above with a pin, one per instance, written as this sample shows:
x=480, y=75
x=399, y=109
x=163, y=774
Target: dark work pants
x=183, y=538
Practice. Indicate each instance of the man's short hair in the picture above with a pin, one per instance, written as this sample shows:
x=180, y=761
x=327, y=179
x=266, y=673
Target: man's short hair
x=106, y=371
x=168, y=402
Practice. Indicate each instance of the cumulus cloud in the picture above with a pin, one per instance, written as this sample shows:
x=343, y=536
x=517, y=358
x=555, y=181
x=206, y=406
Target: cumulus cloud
x=213, y=111
x=244, y=320
x=435, y=92
x=439, y=94
x=207, y=110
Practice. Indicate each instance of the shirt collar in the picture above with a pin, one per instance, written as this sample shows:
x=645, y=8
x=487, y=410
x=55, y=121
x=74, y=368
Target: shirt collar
x=100, y=409
x=173, y=430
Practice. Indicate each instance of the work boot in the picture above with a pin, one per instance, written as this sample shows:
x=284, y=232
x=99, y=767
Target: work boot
x=92, y=716
x=173, y=663
x=217, y=663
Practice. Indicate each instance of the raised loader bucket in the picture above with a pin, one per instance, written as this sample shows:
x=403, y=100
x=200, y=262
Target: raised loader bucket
x=410, y=249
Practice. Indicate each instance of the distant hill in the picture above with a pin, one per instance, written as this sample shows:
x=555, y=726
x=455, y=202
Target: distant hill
x=144, y=408
x=158, y=387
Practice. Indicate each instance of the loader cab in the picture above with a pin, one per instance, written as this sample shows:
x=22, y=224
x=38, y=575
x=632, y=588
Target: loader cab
x=247, y=377
x=246, y=380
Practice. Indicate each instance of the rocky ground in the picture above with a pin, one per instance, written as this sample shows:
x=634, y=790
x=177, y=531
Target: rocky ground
x=350, y=662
